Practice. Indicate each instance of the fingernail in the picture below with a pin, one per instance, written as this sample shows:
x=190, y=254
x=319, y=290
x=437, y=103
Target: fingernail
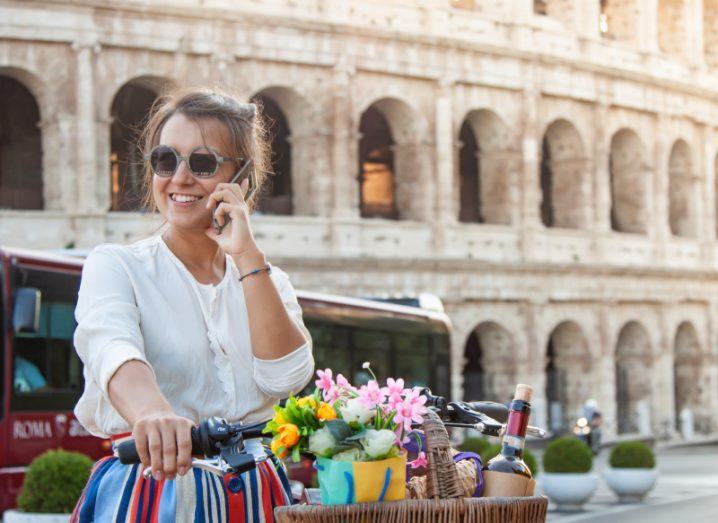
x=157, y=474
x=182, y=471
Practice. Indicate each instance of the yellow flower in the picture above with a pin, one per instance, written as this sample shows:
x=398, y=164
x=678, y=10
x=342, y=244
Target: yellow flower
x=279, y=418
x=326, y=412
x=275, y=449
x=307, y=401
x=288, y=435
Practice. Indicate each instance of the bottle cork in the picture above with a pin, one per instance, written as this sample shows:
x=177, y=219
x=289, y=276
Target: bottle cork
x=524, y=392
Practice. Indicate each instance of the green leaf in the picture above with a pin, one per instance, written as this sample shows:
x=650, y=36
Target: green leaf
x=339, y=429
x=296, y=456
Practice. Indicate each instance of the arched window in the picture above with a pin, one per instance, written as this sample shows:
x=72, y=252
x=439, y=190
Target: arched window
x=21, y=185
x=277, y=197
x=130, y=110
x=376, y=167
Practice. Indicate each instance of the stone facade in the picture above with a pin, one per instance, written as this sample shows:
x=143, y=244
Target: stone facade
x=585, y=177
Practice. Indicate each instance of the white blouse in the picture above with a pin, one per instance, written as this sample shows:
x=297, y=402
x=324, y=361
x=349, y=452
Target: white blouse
x=139, y=302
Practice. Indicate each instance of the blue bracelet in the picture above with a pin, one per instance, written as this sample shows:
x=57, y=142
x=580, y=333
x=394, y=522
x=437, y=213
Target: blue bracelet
x=267, y=268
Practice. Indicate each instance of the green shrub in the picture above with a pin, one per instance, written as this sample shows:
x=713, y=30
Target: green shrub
x=473, y=444
x=567, y=455
x=54, y=481
x=632, y=455
x=493, y=450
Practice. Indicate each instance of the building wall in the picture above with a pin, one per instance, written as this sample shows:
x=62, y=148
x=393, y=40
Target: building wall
x=519, y=78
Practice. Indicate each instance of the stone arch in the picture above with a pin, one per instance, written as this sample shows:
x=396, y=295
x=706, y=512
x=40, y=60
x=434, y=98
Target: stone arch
x=568, y=365
x=490, y=363
x=629, y=177
x=486, y=169
x=130, y=110
x=681, y=200
x=21, y=145
x=392, y=163
x=691, y=380
x=565, y=177
x=634, y=362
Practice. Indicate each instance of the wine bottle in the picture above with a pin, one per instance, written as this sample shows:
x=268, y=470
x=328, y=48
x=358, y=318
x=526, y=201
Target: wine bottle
x=511, y=457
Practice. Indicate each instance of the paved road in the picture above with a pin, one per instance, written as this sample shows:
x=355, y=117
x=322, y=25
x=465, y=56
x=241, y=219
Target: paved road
x=686, y=492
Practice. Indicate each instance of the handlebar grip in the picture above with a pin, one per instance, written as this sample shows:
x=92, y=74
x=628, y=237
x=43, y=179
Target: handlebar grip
x=498, y=411
x=127, y=451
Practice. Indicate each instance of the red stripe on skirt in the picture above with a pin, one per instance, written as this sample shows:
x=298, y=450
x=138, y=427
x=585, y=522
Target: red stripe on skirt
x=266, y=493
x=236, y=507
x=138, y=493
x=159, y=486
x=280, y=496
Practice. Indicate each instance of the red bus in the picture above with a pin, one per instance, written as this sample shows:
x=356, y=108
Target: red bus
x=42, y=375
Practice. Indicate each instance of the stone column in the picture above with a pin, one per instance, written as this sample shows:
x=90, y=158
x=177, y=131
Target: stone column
x=663, y=401
x=104, y=180
x=415, y=185
x=605, y=372
x=444, y=130
x=658, y=226
x=601, y=189
x=344, y=146
x=647, y=37
x=535, y=366
x=311, y=176
x=694, y=32
x=86, y=136
x=58, y=162
x=531, y=154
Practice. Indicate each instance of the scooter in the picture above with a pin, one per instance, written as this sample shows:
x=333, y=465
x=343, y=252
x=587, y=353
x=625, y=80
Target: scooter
x=591, y=436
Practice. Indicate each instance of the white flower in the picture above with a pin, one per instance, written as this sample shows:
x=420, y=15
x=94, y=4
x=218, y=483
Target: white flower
x=378, y=443
x=365, y=365
x=356, y=410
x=321, y=443
x=350, y=455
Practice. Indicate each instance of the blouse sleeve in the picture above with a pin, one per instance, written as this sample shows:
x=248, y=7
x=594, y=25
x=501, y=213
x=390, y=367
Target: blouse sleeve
x=108, y=319
x=290, y=373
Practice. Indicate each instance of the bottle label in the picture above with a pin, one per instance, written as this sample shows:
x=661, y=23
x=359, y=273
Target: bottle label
x=517, y=423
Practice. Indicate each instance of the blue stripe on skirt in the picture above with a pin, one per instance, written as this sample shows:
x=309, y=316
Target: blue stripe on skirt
x=117, y=493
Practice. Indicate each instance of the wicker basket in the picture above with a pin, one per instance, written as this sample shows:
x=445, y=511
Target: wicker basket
x=446, y=503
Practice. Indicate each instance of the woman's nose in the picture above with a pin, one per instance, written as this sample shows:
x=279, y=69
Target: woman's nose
x=183, y=174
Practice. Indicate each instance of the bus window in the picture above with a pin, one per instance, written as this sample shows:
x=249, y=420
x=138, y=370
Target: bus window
x=442, y=366
x=47, y=374
x=413, y=359
x=330, y=347
x=373, y=346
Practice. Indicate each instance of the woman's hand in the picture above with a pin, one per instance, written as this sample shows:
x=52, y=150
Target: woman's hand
x=236, y=238
x=164, y=444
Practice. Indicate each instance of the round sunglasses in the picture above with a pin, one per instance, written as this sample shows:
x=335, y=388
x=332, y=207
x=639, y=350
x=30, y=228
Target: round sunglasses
x=202, y=161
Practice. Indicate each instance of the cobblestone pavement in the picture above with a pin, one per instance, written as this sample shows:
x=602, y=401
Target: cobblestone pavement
x=686, y=491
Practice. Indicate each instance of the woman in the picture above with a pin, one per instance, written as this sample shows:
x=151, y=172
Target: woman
x=188, y=324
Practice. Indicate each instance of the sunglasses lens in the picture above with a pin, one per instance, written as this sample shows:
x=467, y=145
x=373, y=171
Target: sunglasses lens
x=202, y=164
x=163, y=161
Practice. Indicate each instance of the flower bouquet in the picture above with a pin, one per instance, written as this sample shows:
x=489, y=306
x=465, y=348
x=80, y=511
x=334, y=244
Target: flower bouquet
x=357, y=435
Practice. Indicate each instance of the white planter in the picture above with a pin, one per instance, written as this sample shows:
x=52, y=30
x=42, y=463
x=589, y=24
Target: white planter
x=630, y=485
x=18, y=516
x=569, y=491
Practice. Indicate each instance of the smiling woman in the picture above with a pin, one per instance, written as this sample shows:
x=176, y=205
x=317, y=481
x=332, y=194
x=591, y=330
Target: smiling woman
x=189, y=324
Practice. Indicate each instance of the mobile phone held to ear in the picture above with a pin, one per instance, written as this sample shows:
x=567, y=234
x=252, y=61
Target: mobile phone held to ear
x=244, y=173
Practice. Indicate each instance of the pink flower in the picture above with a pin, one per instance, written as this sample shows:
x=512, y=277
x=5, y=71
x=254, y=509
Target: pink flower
x=394, y=390
x=325, y=381
x=371, y=395
x=411, y=409
x=420, y=461
x=343, y=383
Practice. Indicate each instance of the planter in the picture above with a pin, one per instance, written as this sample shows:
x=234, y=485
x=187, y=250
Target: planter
x=630, y=485
x=18, y=516
x=569, y=491
x=346, y=482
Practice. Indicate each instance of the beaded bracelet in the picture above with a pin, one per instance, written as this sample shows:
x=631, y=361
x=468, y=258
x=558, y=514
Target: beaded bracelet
x=267, y=268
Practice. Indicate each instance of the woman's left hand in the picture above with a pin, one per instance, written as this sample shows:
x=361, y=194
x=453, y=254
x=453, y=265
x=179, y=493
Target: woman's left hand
x=236, y=237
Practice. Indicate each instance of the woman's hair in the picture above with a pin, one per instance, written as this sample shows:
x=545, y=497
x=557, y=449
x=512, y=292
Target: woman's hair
x=247, y=132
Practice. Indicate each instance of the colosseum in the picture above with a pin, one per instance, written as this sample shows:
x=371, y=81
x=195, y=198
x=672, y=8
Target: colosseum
x=548, y=168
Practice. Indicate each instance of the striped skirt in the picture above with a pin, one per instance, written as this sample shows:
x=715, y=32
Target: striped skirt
x=120, y=494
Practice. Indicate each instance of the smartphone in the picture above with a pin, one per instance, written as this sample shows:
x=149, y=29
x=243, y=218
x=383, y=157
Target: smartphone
x=244, y=173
